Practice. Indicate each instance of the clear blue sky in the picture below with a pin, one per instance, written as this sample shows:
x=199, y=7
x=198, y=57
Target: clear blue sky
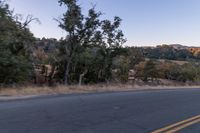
x=145, y=22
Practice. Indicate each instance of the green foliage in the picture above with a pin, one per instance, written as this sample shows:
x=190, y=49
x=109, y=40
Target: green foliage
x=90, y=44
x=152, y=69
x=14, y=69
x=122, y=65
x=183, y=73
x=135, y=56
x=15, y=40
x=149, y=70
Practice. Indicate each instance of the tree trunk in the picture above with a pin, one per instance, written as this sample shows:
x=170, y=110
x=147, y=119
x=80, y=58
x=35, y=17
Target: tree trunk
x=51, y=76
x=66, y=73
x=81, y=77
x=68, y=64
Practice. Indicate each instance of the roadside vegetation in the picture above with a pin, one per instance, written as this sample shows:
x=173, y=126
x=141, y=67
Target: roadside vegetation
x=91, y=53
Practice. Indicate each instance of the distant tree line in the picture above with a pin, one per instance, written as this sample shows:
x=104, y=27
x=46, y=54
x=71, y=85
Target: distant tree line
x=169, y=52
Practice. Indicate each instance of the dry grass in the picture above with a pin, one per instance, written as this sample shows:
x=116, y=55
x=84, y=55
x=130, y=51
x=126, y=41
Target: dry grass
x=33, y=90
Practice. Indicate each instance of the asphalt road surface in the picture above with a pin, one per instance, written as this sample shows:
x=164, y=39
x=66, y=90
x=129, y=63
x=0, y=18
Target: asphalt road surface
x=119, y=112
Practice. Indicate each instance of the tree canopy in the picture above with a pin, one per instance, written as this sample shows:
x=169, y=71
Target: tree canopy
x=88, y=34
x=15, y=47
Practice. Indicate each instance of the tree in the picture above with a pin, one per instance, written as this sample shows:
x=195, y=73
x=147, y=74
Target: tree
x=150, y=70
x=135, y=55
x=122, y=63
x=15, y=47
x=79, y=33
x=146, y=70
x=87, y=32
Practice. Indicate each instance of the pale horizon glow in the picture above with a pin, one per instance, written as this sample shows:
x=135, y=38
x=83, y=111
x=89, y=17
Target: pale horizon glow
x=145, y=22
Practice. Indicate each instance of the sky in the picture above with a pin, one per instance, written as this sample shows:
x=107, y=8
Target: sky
x=145, y=22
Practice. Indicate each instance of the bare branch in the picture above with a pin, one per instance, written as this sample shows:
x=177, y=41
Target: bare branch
x=29, y=19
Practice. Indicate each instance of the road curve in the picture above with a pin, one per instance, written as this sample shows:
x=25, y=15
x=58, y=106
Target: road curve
x=119, y=112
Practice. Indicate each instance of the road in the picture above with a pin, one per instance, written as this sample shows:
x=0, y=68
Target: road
x=118, y=112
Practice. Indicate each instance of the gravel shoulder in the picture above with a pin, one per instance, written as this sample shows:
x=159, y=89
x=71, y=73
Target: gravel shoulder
x=33, y=92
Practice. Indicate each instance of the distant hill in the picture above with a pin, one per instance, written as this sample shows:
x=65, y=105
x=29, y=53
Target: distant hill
x=178, y=46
